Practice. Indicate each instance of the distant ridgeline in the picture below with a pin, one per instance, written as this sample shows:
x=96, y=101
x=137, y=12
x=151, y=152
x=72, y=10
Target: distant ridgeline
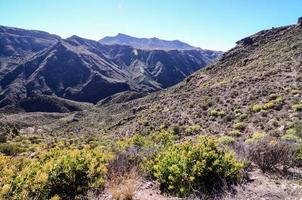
x=38, y=64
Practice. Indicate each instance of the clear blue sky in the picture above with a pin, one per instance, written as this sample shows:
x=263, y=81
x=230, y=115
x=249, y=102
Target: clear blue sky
x=212, y=24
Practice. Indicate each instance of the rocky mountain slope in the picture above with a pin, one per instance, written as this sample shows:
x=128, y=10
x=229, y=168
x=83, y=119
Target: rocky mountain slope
x=35, y=63
x=255, y=87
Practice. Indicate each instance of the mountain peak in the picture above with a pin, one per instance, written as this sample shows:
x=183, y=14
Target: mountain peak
x=146, y=43
x=122, y=35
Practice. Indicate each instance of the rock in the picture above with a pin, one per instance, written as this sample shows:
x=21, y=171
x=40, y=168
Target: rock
x=300, y=21
x=245, y=41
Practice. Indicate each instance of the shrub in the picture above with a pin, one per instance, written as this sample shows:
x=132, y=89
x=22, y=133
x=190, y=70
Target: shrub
x=226, y=140
x=297, y=107
x=295, y=91
x=298, y=156
x=292, y=134
x=138, y=140
x=62, y=172
x=255, y=137
x=176, y=130
x=258, y=135
x=256, y=108
x=290, y=138
x=162, y=138
x=192, y=129
x=269, y=155
x=123, y=187
x=182, y=168
x=275, y=103
x=217, y=113
x=9, y=149
x=242, y=117
x=240, y=126
x=235, y=133
x=237, y=112
x=3, y=138
x=269, y=105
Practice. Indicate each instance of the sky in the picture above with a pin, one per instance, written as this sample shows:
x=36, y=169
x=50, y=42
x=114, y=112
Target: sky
x=209, y=24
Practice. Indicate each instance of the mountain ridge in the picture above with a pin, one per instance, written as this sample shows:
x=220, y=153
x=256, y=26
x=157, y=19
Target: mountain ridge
x=263, y=70
x=146, y=43
x=85, y=70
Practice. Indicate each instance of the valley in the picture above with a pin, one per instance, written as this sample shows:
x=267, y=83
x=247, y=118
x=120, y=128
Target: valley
x=85, y=119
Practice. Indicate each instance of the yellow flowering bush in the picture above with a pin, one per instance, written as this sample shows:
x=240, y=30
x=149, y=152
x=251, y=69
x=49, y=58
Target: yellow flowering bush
x=56, y=172
x=183, y=168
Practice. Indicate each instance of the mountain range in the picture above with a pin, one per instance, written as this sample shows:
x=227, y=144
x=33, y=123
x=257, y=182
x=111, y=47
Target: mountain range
x=145, y=43
x=256, y=85
x=244, y=110
x=38, y=65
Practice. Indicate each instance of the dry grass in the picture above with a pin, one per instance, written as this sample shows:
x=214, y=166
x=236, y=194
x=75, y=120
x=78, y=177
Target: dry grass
x=270, y=154
x=123, y=187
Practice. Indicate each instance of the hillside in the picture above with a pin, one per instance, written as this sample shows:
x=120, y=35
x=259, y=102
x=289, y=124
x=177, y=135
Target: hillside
x=35, y=63
x=257, y=83
x=232, y=130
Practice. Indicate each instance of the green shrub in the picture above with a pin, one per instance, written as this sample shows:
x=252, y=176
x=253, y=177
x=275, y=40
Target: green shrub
x=256, y=108
x=226, y=140
x=297, y=107
x=275, y=103
x=182, y=168
x=295, y=91
x=290, y=138
x=217, y=113
x=242, y=117
x=9, y=149
x=62, y=172
x=162, y=138
x=269, y=105
x=138, y=140
x=192, y=129
x=235, y=133
x=292, y=134
x=256, y=136
x=239, y=126
x=176, y=130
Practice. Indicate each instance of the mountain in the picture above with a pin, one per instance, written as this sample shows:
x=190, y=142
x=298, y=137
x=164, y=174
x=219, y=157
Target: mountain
x=39, y=64
x=17, y=44
x=244, y=110
x=254, y=87
x=145, y=43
